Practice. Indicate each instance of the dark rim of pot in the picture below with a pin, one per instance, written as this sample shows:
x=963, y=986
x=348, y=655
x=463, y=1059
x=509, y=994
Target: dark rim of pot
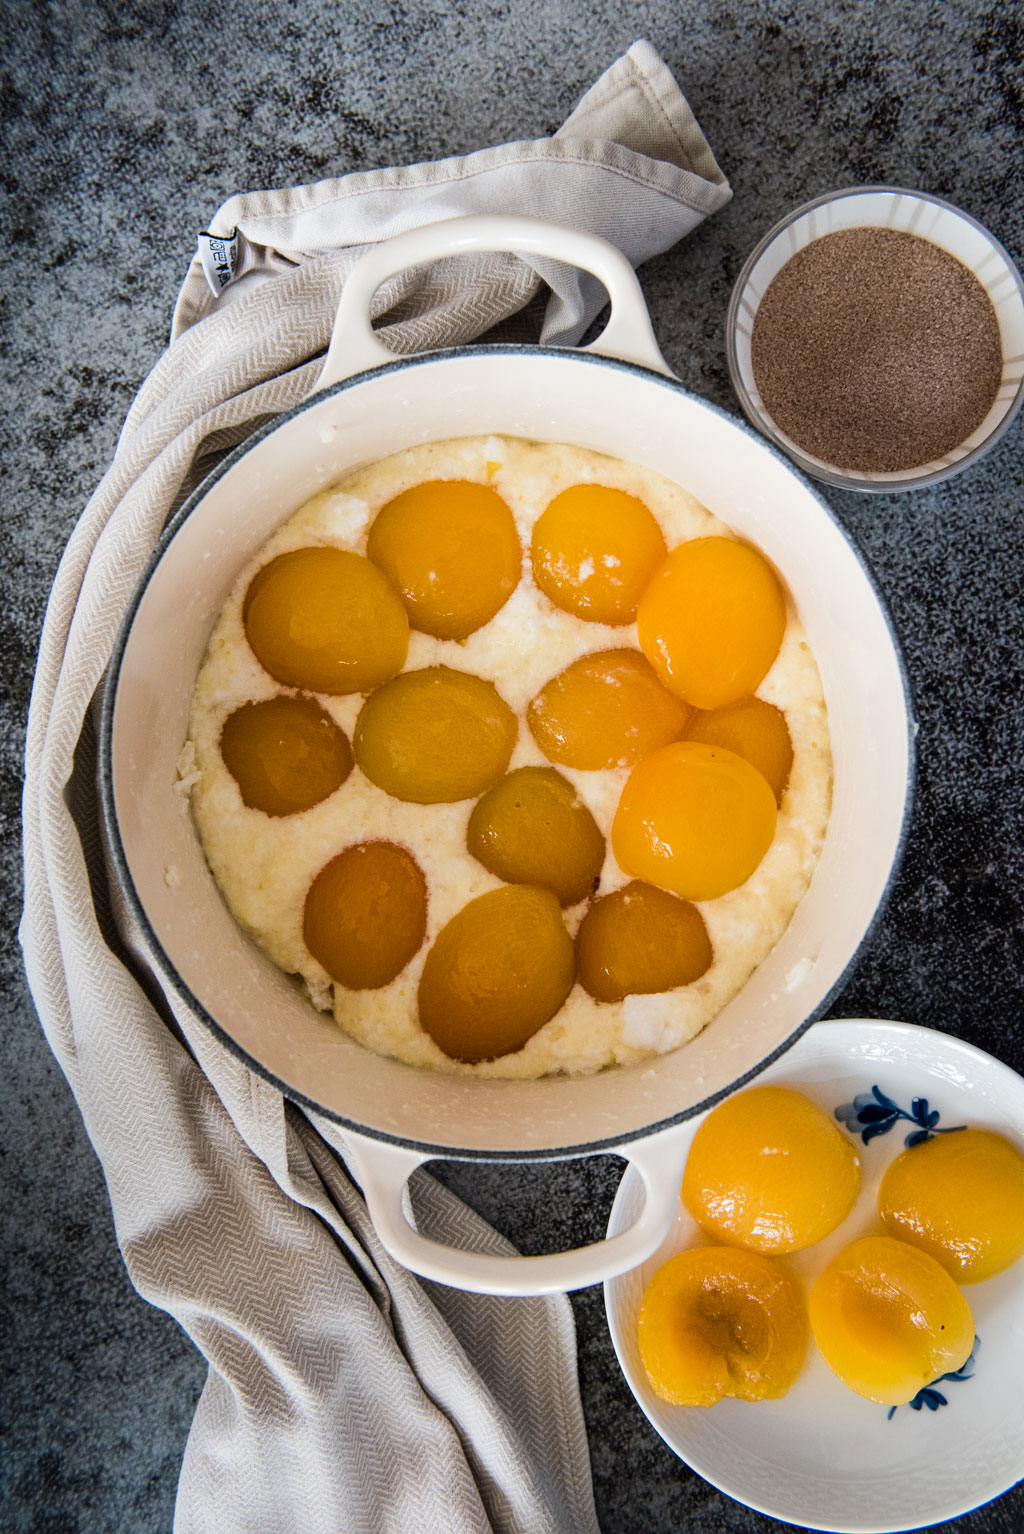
x=165, y=968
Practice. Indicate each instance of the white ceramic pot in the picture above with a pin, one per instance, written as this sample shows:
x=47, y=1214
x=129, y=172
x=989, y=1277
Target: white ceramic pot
x=618, y=397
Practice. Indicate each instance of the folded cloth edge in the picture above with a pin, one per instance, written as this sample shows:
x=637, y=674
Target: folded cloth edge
x=602, y=130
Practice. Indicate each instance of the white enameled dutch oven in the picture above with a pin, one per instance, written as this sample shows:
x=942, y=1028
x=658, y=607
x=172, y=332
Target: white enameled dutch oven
x=618, y=397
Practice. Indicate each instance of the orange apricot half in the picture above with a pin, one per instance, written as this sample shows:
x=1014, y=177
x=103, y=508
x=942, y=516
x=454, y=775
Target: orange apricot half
x=694, y=819
x=593, y=551
x=286, y=754
x=498, y=971
x=717, y=1321
x=326, y=620
x=640, y=940
x=711, y=620
x=768, y=1169
x=366, y=914
x=753, y=729
x=605, y=710
x=450, y=547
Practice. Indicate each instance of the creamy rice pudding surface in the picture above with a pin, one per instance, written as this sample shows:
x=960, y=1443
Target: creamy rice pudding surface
x=264, y=865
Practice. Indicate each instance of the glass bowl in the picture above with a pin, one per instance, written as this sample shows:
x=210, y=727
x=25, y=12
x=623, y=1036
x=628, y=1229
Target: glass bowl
x=883, y=207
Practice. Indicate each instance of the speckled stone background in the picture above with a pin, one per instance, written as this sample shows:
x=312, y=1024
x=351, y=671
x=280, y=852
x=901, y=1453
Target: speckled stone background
x=124, y=126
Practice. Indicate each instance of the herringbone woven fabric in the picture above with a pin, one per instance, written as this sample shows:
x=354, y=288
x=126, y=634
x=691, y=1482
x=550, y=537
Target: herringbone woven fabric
x=344, y=1394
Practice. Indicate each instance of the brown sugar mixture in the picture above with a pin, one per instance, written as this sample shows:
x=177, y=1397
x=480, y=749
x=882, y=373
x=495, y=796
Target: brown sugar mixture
x=876, y=350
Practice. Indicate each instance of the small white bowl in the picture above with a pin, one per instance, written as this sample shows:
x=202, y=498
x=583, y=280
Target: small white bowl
x=883, y=207
x=823, y=1457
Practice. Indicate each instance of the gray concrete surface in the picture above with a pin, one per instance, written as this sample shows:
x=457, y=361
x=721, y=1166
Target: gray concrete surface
x=124, y=127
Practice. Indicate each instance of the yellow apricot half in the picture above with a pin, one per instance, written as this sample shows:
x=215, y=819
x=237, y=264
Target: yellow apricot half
x=434, y=736
x=959, y=1197
x=716, y=1321
x=889, y=1320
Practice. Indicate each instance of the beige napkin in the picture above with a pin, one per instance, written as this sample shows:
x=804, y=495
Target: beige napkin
x=343, y=1393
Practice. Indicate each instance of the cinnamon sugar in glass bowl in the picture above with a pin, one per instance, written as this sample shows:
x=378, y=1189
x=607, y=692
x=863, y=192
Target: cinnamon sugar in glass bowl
x=995, y=394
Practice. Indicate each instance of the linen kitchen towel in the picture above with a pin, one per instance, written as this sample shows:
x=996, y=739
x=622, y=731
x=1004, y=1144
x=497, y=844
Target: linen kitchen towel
x=343, y=1392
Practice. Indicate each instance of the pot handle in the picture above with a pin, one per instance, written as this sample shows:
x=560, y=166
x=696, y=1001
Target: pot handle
x=383, y=1170
x=628, y=334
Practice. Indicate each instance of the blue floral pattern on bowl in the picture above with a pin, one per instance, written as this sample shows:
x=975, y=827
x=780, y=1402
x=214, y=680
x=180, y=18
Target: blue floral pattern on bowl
x=872, y=1113
x=932, y=1398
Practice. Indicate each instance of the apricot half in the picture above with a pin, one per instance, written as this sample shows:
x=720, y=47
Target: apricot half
x=533, y=828
x=694, y=819
x=959, y=1197
x=451, y=549
x=496, y=973
x=593, y=551
x=286, y=754
x=640, y=940
x=605, y=710
x=768, y=1169
x=434, y=736
x=753, y=729
x=717, y=1321
x=326, y=620
x=711, y=620
x=366, y=914
x=889, y=1320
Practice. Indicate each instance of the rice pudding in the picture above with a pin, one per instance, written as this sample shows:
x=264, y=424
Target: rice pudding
x=548, y=631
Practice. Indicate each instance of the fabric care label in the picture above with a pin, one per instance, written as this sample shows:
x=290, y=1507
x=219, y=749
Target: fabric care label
x=219, y=255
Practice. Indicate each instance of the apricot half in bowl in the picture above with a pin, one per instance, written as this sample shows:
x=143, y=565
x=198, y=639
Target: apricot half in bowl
x=768, y=1169
x=959, y=1197
x=889, y=1320
x=717, y=1321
